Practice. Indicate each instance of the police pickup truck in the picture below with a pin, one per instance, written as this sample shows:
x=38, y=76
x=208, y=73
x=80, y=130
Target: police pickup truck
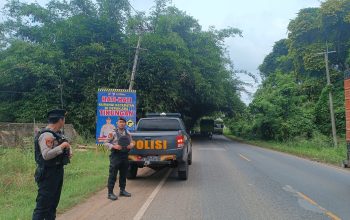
x=161, y=140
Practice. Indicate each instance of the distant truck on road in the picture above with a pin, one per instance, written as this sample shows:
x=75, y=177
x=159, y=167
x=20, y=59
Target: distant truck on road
x=219, y=126
x=206, y=127
x=161, y=140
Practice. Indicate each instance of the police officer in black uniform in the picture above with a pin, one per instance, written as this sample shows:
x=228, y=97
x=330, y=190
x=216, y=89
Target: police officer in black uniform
x=119, y=142
x=50, y=160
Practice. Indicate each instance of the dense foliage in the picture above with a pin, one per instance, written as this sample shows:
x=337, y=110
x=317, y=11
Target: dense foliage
x=82, y=45
x=293, y=98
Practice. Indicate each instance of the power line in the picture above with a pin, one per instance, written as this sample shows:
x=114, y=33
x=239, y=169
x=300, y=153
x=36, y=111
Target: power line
x=139, y=14
x=7, y=91
x=132, y=8
x=18, y=92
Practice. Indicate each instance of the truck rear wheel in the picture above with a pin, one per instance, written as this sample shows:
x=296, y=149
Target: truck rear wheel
x=132, y=172
x=183, y=171
x=190, y=158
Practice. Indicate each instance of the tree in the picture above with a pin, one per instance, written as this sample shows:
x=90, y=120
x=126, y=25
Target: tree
x=84, y=45
x=293, y=100
x=278, y=59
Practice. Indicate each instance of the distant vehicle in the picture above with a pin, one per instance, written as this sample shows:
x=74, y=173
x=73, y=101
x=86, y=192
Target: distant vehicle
x=219, y=126
x=206, y=127
x=161, y=140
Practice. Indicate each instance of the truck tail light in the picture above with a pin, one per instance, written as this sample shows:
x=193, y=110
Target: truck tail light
x=180, y=141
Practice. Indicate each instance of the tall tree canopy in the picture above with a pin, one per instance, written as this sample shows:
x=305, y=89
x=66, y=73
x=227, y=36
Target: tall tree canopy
x=82, y=45
x=293, y=98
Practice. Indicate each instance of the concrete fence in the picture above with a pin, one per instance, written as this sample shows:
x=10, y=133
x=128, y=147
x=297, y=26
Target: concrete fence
x=22, y=134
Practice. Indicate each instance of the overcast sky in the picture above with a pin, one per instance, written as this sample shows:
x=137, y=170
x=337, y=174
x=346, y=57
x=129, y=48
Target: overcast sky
x=263, y=22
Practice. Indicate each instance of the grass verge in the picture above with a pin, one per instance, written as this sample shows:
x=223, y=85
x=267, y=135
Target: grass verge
x=86, y=174
x=314, y=149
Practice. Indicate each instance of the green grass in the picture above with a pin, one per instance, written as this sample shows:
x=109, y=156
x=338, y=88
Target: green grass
x=317, y=149
x=86, y=174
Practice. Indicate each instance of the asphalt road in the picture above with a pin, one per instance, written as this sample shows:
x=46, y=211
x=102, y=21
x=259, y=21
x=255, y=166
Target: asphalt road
x=230, y=180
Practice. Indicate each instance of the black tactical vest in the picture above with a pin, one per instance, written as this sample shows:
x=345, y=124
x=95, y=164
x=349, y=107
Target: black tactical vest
x=37, y=153
x=124, y=141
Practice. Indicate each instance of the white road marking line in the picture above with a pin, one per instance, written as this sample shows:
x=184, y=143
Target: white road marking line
x=212, y=149
x=149, y=200
x=320, y=163
x=244, y=157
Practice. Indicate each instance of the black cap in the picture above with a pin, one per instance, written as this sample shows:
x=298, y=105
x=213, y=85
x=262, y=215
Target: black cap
x=122, y=119
x=56, y=113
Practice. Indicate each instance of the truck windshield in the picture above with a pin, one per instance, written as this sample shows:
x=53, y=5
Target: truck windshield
x=159, y=125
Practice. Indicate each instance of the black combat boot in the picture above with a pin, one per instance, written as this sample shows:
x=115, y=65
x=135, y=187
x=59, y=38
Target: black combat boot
x=111, y=196
x=124, y=193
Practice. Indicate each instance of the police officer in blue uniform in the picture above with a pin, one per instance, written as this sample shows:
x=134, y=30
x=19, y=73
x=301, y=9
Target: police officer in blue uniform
x=119, y=142
x=50, y=159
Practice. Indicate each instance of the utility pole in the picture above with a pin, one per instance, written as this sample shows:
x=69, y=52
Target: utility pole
x=132, y=80
x=61, y=89
x=334, y=131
